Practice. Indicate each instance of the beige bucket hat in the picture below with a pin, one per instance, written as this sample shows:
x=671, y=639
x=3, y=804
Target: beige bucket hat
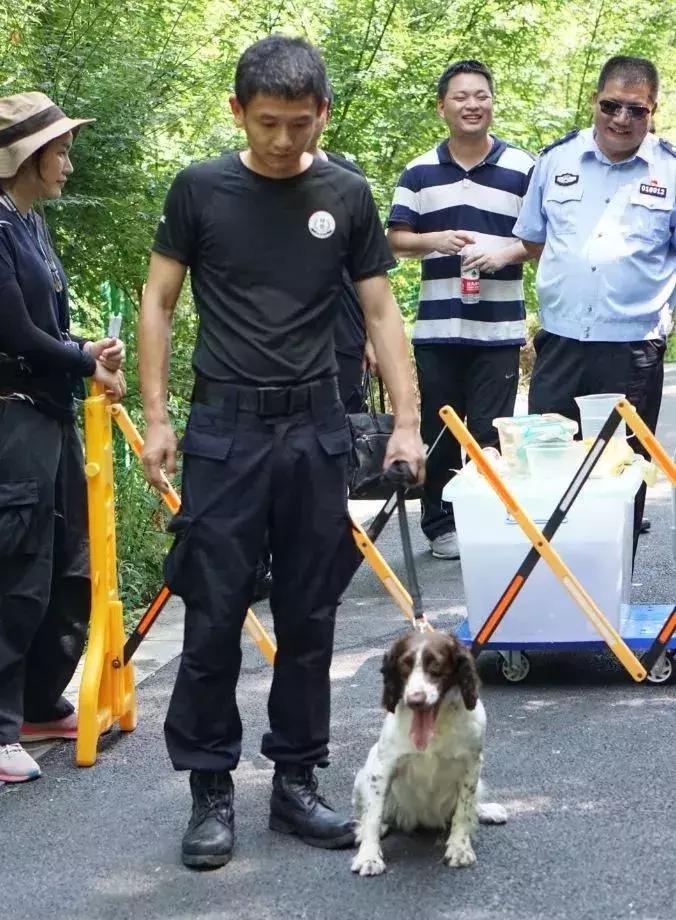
x=28, y=121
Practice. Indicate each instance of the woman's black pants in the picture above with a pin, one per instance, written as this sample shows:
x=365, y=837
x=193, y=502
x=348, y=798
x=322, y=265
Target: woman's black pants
x=44, y=564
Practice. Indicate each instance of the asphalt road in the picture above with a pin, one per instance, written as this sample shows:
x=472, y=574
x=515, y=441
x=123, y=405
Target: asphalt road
x=582, y=758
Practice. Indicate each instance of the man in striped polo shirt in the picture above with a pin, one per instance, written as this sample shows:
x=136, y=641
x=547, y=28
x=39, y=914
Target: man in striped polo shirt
x=464, y=195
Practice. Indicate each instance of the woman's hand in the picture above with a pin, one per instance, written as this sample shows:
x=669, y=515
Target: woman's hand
x=112, y=381
x=109, y=352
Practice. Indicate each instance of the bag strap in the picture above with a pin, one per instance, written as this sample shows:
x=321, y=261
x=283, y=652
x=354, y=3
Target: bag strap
x=368, y=396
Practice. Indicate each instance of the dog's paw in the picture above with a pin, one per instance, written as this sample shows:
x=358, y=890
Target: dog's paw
x=459, y=853
x=491, y=813
x=370, y=862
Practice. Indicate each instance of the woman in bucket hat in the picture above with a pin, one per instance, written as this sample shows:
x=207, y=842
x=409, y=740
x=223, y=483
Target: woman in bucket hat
x=44, y=565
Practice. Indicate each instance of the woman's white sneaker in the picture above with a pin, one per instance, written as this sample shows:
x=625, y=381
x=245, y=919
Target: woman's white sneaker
x=17, y=765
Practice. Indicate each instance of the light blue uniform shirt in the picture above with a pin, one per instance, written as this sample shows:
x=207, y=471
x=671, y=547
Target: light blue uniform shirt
x=608, y=268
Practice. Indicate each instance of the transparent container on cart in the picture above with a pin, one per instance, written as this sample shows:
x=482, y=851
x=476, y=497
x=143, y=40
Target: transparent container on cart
x=547, y=459
x=594, y=540
x=517, y=432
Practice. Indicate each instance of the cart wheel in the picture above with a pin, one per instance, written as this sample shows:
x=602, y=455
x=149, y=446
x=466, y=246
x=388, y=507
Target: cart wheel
x=513, y=666
x=662, y=669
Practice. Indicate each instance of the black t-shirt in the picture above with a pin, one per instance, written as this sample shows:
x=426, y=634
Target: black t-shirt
x=350, y=329
x=38, y=357
x=266, y=258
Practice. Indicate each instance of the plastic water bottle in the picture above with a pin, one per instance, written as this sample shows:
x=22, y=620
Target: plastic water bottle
x=470, y=283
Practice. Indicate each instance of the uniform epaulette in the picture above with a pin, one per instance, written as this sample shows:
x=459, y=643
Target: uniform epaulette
x=561, y=140
x=668, y=146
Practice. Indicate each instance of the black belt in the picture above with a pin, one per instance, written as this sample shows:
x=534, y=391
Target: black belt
x=266, y=400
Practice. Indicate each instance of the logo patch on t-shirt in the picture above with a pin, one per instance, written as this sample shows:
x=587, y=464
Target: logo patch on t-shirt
x=321, y=224
x=566, y=178
x=653, y=188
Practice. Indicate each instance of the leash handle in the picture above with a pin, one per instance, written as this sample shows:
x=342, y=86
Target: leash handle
x=400, y=475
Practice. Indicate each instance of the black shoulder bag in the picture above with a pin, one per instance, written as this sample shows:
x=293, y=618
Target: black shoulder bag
x=370, y=433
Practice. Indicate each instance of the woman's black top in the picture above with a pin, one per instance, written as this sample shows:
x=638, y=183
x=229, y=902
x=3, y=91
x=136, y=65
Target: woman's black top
x=38, y=356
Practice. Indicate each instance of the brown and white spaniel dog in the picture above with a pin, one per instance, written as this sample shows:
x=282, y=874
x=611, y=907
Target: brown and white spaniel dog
x=424, y=770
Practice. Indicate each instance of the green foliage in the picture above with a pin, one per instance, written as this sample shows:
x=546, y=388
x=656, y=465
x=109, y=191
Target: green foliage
x=156, y=74
x=671, y=348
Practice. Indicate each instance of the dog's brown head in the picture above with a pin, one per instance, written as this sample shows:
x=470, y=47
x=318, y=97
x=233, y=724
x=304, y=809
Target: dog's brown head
x=419, y=670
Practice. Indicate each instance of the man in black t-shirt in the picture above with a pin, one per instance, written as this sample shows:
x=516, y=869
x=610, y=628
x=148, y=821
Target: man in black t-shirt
x=266, y=235
x=349, y=334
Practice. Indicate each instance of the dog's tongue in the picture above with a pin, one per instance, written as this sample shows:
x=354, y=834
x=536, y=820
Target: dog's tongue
x=422, y=727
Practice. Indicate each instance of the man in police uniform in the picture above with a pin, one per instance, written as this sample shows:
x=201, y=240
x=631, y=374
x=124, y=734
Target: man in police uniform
x=600, y=214
x=266, y=234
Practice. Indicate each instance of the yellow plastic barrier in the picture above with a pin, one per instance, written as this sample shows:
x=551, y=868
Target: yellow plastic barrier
x=107, y=692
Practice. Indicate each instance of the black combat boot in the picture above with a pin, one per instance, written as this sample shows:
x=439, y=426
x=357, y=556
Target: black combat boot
x=210, y=837
x=297, y=808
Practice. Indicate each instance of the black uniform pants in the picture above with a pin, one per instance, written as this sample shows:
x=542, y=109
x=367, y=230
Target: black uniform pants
x=351, y=392
x=44, y=565
x=248, y=472
x=480, y=383
x=565, y=368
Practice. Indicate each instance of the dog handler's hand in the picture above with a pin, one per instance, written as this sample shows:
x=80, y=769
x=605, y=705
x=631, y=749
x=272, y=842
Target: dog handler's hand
x=406, y=444
x=159, y=450
x=370, y=362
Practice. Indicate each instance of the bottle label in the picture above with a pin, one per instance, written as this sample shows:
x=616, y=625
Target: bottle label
x=470, y=284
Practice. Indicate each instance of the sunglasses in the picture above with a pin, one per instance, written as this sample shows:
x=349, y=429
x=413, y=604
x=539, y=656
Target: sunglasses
x=612, y=108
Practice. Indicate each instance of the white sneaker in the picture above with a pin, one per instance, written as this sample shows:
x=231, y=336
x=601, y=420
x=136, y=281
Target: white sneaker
x=445, y=546
x=17, y=765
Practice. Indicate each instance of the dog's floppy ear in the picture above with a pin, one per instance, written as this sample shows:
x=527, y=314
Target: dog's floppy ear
x=393, y=684
x=466, y=676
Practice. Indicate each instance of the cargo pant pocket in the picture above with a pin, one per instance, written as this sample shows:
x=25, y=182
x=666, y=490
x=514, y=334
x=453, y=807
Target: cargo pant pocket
x=335, y=442
x=208, y=434
x=176, y=564
x=18, y=533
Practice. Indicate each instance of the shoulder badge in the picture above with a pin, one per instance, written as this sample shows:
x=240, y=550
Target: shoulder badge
x=561, y=140
x=668, y=146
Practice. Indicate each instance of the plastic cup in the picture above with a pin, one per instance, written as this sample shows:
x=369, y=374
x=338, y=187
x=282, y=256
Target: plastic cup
x=594, y=412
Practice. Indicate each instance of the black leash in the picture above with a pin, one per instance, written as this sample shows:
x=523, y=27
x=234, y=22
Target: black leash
x=400, y=475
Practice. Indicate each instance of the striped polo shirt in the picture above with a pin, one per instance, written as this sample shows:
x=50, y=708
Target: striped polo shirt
x=435, y=193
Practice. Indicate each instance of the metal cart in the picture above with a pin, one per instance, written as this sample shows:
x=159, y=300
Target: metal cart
x=650, y=629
